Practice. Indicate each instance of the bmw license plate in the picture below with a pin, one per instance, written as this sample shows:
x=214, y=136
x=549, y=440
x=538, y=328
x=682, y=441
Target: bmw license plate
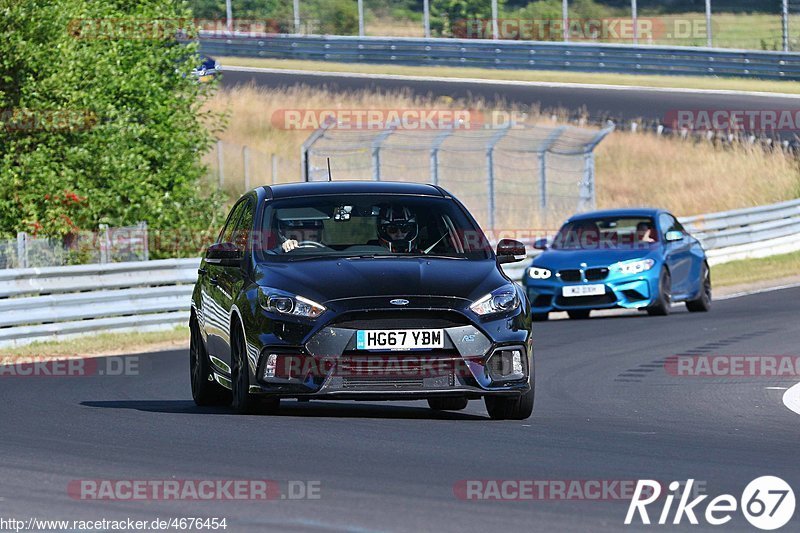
x=399, y=339
x=583, y=290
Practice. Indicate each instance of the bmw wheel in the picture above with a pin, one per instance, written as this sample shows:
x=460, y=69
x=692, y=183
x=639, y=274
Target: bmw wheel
x=703, y=302
x=661, y=306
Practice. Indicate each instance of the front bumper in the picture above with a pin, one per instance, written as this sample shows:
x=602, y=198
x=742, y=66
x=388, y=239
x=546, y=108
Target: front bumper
x=328, y=365
x=629, y=292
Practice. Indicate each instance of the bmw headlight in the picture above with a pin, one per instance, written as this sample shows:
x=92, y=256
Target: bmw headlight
x=288, y=304
x=539, y=273
x=499, y=300
x=630, y=268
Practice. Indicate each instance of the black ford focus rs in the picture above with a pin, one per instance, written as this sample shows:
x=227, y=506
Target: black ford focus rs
x=359, y=291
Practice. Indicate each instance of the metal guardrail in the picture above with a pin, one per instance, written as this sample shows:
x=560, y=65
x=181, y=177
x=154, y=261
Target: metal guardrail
x=39, y=304
x=52, y=303
x=530, y=55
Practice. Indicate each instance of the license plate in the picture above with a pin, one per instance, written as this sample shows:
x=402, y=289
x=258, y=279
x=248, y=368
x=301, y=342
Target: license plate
x=583, y=290
x=400, y=339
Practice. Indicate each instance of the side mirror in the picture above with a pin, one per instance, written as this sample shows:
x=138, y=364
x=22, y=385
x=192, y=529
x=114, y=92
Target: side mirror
x=224, y=253
x=672, y=236
x=540, y=244
x=510, y=251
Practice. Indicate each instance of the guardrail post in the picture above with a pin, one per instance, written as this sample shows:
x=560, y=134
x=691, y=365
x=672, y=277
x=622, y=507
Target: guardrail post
x=22, y=250
x=708, y=24
x=426, y=18
x=274, y=161
x=785, y=24
x=220, y=165
x=360, y=18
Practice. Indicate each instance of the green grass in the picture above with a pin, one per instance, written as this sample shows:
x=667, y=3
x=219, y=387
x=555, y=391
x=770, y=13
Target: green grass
x=103, y=344
x=749, y=271
x=688, y=82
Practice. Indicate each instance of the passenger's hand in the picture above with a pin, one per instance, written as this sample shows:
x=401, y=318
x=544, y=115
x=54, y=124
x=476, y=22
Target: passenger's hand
x=289, y=245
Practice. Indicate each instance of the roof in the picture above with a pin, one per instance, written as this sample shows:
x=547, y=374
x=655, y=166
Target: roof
x=320, y=188
x=628, y=212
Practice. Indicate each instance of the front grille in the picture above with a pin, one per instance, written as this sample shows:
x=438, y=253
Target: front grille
x=570, y=275
x=585, y=301
x=410, y=319
x=596, y=274
x=382, y=384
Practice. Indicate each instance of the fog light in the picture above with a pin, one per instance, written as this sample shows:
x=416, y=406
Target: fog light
x=506, y=365
x=516, y=361
x=272, y=364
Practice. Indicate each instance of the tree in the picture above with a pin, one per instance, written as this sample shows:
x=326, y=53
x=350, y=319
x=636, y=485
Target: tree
x=103, y=123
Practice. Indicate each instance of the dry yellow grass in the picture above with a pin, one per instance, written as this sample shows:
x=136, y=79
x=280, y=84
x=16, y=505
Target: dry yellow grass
x=632, y=169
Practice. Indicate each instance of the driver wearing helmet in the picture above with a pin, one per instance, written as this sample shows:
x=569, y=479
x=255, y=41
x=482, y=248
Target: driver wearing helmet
x=295, y=233
x=397, y=229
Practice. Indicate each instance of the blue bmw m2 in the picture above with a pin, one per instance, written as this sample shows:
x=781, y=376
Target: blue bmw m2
x=624, y=258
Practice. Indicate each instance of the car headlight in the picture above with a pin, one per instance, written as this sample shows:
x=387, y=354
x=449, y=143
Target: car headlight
x=499, y=300
x=633, y=267
x=287, y=304
x=539, y=273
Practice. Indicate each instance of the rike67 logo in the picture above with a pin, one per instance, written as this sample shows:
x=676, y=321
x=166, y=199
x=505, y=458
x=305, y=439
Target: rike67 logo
x=767, y=503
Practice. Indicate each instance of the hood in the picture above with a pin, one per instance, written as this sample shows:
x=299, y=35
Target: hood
x=324, y=280
x=565, y=259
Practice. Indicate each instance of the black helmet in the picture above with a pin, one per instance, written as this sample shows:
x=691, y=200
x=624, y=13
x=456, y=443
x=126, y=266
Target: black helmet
x=393, y=220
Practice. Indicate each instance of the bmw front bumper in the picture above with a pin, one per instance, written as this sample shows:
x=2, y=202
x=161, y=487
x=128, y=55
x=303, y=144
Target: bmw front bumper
x=621, y=291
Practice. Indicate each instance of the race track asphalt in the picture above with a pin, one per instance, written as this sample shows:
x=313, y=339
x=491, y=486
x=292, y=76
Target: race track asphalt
x=597, y=103
x=606, y=409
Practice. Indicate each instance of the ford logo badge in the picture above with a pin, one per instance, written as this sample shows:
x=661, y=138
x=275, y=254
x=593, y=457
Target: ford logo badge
x=398, y=301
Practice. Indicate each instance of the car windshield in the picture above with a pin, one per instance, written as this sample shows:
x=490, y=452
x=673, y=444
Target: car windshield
x=607, y=233
x=368, y=226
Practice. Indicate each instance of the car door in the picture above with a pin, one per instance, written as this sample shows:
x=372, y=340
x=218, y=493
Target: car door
x=214, y=300
x=677, y=255
x=232, y=277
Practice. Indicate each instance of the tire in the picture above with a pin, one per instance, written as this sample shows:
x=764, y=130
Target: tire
x=702, y=303
x=579, y=314
x=447, y=404
x=661, y=306
x=204, y=392
x=540, y=317
x=243, y=402
x=503, y=408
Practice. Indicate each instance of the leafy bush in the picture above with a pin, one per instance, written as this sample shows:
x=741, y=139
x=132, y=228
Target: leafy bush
x=100, y=127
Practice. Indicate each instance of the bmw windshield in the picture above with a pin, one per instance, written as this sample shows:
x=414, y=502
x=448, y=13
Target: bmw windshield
x=607, y=233
x=368, y=226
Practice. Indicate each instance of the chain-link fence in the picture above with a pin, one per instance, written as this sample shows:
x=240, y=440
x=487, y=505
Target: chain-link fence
x=510, y=177
x=107, y=245
x=747, y=24
x=236, y=168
